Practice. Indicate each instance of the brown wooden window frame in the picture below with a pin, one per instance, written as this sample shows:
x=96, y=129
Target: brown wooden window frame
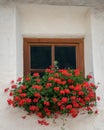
x=77, y=42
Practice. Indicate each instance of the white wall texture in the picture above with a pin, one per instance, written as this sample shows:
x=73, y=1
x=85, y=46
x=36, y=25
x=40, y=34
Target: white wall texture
x=19, y=47
x=88, y=44
x=7, y=43
x=49, y=21
x=98, y=49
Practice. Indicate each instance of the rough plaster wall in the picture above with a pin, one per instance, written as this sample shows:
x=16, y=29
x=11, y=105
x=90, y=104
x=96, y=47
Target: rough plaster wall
x=88, y=3
x=98, y=50
x=19, y=46
x=10, y=119
x=88, y=45
x=52, y=21
x=7, y=44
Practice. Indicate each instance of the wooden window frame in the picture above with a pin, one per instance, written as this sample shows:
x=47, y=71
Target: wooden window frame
x=77, y=42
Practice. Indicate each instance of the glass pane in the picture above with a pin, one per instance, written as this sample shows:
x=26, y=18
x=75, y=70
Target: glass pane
x=66, y=56
x=40, y=57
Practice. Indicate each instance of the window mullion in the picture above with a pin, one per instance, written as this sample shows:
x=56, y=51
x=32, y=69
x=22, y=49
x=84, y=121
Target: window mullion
x=53, y=54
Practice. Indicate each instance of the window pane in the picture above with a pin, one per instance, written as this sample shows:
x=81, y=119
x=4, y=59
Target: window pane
x=40, y=57
x=66, y=56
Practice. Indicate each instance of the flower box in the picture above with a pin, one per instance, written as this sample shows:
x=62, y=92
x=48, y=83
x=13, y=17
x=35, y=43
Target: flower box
x=57, y=92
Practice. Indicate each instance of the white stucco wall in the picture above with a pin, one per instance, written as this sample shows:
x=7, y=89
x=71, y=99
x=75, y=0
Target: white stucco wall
x=7, y=43
x=19, y=46
x=52, y=20
x=97, y=26
x=48, y=21
x=88, y=45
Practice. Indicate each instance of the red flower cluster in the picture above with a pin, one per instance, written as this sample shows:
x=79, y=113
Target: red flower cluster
x=43, y=122
x=58, y=91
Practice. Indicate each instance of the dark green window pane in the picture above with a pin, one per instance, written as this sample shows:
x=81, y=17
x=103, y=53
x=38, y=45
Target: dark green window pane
x=40, y=57
x=66, y=56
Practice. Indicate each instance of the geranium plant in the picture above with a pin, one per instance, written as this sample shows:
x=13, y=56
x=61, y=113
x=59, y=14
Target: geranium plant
x=57, y=92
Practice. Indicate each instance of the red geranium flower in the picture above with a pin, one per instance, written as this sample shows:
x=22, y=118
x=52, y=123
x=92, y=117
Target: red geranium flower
x=78, y=87
x=56, y=88
x=80, y=93
x=70, y=81
x=28, y=100
x=22, y=102
x=77, y=72
x=76, y=105
x=35, y=100
x=56, y=75
x=11, y=94
x=62, y=92
x=71, y=87
x=63, y=82
x=87, y=99
x=36, y=74
x=38, y=80
x=57, y=80
x=54, y=99
x=23, y=87
x=46, y=103
x=17, y=98
x=98, y=98
x=62, y=107
x=73, y=97
x=23, y=94
x=96, y=111
x=10, y=101
x=89, y=76
x=48, y=85
x=37, y=95
x=43, y=122
x=39, y=114
x=38, y=87
x=12, y=82
x=66, y=73
x=64, y=100
x=34, y=108
x=59, y=103
x=27, y=79
x=14, y=86
x=19, y=90
x=19, y=79
x=67, y=91
x=6, y=89
x=69, y=106
x=74, y=112
x=51, y=78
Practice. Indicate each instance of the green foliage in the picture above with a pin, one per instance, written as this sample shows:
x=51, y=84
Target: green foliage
x=58, y=91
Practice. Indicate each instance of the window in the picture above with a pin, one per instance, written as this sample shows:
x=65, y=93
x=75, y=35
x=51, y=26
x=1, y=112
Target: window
x=40, y=53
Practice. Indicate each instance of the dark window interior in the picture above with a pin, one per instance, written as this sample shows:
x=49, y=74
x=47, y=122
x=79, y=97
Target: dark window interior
x=66, y=56
x=40, y=57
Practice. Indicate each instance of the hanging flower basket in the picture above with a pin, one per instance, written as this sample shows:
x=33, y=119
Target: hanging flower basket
x=57, y=92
